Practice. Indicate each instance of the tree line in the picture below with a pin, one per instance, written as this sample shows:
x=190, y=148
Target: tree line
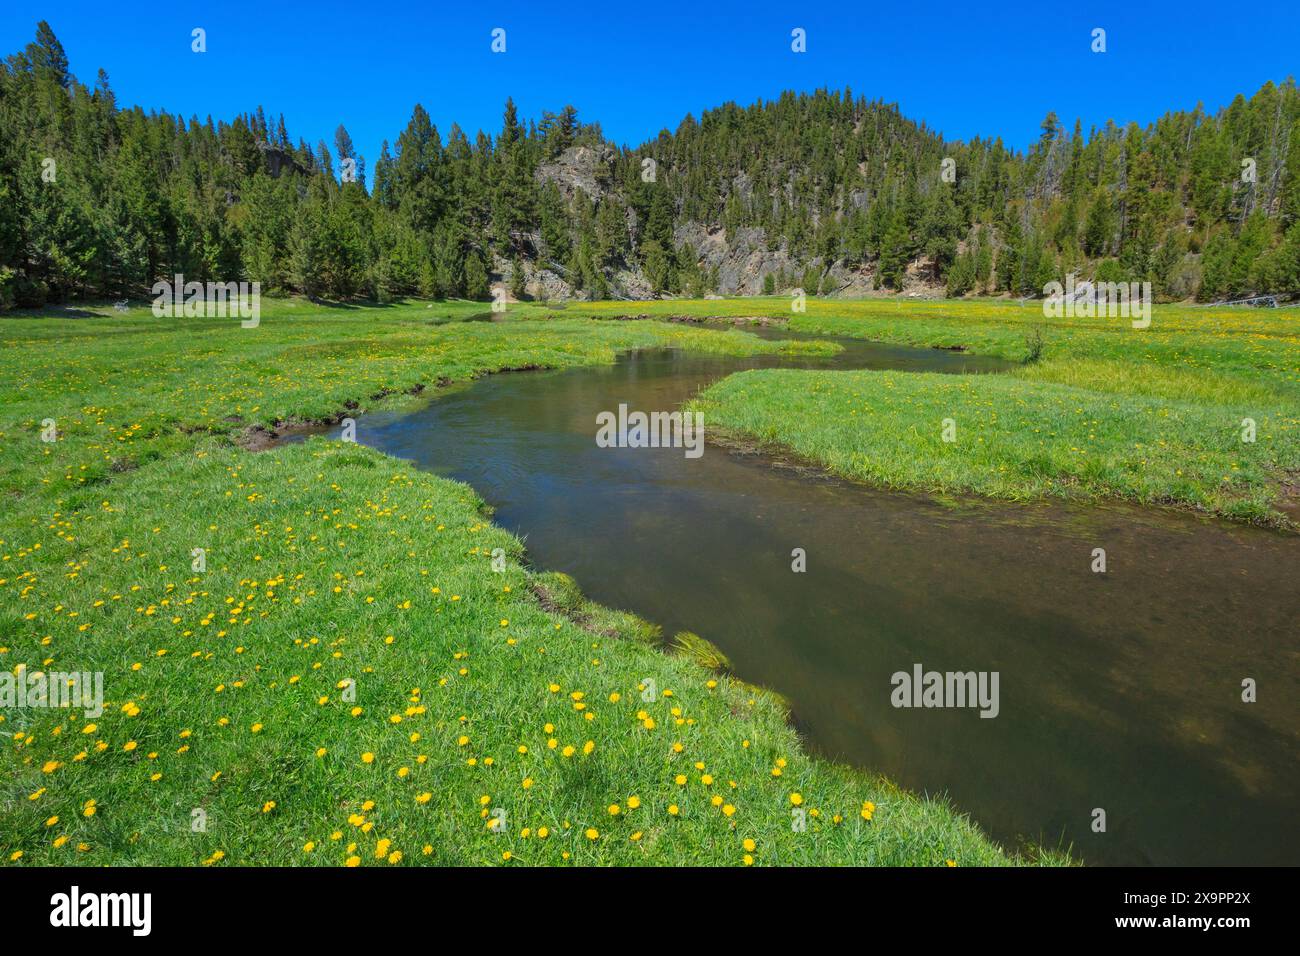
x=98, y=200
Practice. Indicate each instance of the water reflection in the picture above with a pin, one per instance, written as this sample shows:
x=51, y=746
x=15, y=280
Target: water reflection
x=1119, y=691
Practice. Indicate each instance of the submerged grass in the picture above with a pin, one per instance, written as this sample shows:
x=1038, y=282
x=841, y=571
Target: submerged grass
x=346, y=680
x=704, y=652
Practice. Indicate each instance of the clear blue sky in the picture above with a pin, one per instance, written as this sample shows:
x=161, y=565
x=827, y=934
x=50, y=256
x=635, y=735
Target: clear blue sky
x=964, y=68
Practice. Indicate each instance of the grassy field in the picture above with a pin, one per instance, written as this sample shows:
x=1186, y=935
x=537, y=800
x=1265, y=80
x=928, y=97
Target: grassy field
x=348, y=681
x=1153, y=415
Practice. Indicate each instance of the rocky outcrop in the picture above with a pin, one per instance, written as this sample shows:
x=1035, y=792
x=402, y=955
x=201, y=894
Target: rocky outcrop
x=278, y=161
x=539, y=282
x=741, y=263
x=585, y=168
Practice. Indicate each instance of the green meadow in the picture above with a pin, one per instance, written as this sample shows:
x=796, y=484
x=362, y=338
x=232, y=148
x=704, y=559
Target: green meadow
x=1092, y=408
x=344, y=678
x=308, y=655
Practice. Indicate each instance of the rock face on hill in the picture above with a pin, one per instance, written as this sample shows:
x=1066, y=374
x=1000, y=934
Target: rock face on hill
x=579, y=168
x=737, y=263
x=278, y=161
x=741, y=263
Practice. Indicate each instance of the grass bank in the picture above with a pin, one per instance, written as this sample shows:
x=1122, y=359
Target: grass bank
x=346, y=679
x=1156, y=415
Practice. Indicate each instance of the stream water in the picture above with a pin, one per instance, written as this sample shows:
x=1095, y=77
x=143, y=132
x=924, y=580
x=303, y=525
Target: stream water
x=1120, y=691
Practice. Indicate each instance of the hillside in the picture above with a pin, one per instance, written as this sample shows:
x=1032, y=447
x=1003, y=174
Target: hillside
x=826, y=191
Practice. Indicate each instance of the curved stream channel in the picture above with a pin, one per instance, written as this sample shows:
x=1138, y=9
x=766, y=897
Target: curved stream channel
x=1119, y=691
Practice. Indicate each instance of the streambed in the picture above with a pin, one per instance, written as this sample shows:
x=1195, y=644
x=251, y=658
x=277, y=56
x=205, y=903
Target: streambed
x=1119, y=691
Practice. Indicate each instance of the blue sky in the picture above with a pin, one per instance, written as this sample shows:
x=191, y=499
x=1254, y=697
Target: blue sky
x=964, y=68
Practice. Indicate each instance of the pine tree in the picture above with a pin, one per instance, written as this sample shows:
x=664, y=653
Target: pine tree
x=513, y=199
x=518, y=279
x=1099, y=230
x=892, y=263
x=47, y=56
x=554, y=223
x=476, y=277
x=656, y=264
